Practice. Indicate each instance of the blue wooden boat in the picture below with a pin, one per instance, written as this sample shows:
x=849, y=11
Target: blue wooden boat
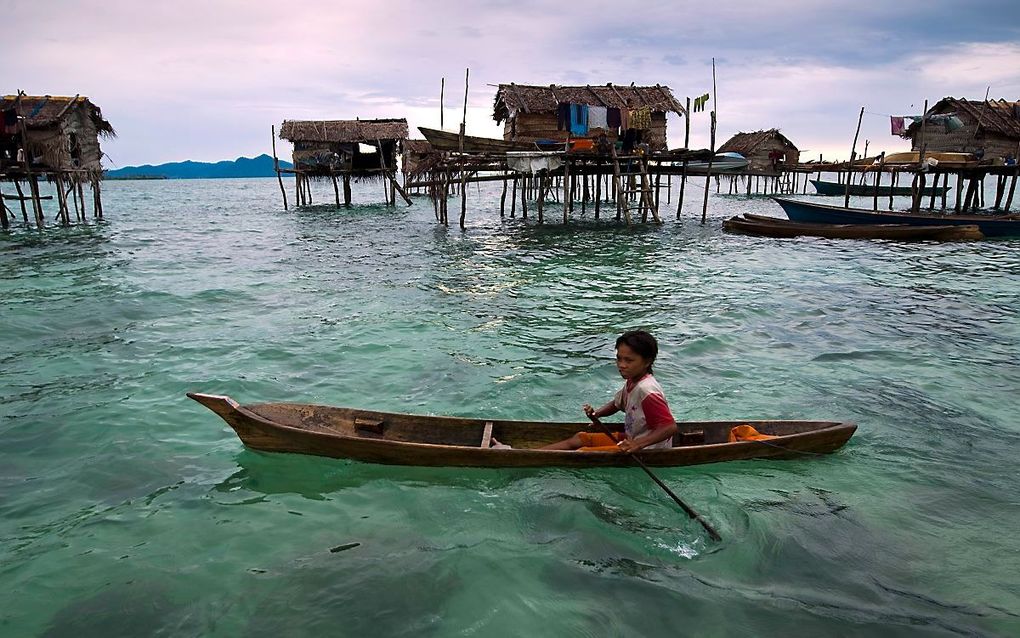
x=835, y=188
x=811, y=213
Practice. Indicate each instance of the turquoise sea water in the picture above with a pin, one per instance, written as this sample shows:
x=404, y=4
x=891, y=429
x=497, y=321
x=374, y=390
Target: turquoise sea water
x=126, y=509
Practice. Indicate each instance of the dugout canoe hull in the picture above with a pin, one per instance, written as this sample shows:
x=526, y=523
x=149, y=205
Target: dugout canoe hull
x=408, y=439
x=775, y=227
x=811, y=213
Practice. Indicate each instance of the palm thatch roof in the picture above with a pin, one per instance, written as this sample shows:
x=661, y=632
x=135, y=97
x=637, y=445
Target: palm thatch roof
x=343, y=131
x=748, y=143
x=417, y=146
x=513, y=98
x=46, y=111
x=992, y=116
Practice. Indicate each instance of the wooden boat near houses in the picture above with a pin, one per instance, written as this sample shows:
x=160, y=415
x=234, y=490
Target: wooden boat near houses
x=835, y=188
x=408, y=439
x=812, y=213
x=449, y=141
x=775, y=227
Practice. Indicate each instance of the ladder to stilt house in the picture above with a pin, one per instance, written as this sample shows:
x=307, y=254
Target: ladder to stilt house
x=644, y=189
x=786, y=185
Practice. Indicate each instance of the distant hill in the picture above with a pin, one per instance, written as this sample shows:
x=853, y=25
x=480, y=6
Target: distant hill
x=261, y=166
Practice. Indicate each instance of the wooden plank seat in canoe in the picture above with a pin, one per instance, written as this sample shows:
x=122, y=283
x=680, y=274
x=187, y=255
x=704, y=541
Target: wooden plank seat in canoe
x=777, y=227
x=408, y=439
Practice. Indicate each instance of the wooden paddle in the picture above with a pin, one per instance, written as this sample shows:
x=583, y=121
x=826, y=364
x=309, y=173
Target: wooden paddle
x=687, y=508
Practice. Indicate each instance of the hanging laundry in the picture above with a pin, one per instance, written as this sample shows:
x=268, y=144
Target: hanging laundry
x=641, y=118
x=562, y=116
x=597, y=116
x=896, y=123
x=953, y=123
x=630, y=138
x=613, y=117
x=624, y=119
x=578, y=119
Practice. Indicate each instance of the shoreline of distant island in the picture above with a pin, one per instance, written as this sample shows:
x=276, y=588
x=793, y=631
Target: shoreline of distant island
x=261, y=166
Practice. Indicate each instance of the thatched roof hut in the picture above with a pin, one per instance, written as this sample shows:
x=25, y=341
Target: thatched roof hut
x=528, y=113
x=991, y=126
x=61, y=133
x=419, y=157
x=324, y=147
x=765, y=150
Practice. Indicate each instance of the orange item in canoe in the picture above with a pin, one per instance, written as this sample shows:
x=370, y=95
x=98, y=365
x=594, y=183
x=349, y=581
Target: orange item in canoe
x=747, y=433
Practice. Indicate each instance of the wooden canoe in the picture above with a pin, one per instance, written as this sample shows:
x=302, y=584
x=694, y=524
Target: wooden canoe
x=811, y=213
x=776, y=227
x=835, y=188
x=447, y=141
x=408, y=439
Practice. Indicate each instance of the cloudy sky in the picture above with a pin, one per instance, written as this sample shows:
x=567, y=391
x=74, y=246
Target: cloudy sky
x=205, y=80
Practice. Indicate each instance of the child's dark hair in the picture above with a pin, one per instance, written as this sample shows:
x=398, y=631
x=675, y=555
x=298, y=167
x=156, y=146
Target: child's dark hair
x=642, y=343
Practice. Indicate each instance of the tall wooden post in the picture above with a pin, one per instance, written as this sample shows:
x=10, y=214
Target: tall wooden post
x=21, y=200
x=708, y=174
x=276, y=167
x=687, y=148
x=540, y=202
x=920, y=179
x=513, y=197
x=463, y=173
x=853, y=156
x=4, y=222
x=502, y=199
x=568, y=194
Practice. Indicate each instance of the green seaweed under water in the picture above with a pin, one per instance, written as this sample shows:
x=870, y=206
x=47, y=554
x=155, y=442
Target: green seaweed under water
x=126, y=509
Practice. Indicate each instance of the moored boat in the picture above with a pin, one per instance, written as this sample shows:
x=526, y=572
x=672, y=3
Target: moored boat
x=942, y=159
x=835, y=188
x=812, y=213
x=775, y=227
x=448, y=141
x=408, y=439
x=721, y=163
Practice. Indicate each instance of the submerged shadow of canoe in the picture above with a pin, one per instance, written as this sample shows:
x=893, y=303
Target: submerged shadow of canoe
x=407, y=439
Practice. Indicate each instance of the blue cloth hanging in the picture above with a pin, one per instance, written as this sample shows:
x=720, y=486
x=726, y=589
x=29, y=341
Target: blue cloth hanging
x=578, y=119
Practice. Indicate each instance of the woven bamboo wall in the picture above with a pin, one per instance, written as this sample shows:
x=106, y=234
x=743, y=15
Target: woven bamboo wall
x=542, y=126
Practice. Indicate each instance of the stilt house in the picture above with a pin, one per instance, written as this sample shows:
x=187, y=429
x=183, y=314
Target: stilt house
x=329, y=147
x=989, y=128
x=55, y=138
x=418, y=158
x=766, y=151
x=54, y=134
x=530, y=113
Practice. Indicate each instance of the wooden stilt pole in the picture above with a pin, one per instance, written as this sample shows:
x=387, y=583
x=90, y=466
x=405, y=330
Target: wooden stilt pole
x=598, y=189
x=540, y=200
x=683, y=173
x=919, y=178
x=513, y=197
x=708, y=174
x=502, y=200
x=853, y=156
x=568, y=191
x=276, y=167
x=524, y=197
x=97, y=193
x=1012, y=189
x=21, y=200
x=4, y=222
